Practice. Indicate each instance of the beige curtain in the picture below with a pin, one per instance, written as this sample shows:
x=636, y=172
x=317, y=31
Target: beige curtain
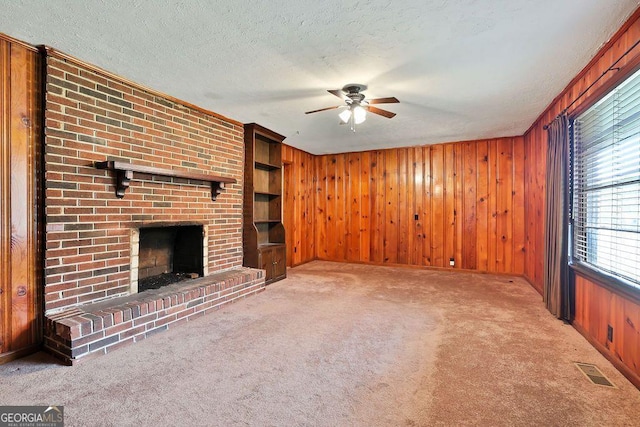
x=556, y=280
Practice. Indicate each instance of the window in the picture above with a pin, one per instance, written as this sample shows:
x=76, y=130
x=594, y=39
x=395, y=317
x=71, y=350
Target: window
x=606, y=185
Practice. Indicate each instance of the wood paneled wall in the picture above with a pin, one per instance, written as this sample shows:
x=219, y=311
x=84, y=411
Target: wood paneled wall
x=422, y=206
x=535, y=142
x=596, y=309
x=299, y=211
x=20, y=290
x=418, y=206
x=595, y=306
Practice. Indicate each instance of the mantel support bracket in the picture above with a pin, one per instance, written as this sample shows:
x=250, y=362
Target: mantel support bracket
x=217, y=187
x=123, y=180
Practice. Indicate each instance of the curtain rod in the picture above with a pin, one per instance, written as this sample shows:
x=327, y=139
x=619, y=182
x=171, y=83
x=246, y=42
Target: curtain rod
x=611, y=68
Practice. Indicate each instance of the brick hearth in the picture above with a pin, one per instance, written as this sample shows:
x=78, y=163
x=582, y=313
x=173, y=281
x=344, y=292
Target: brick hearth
x=102, y=327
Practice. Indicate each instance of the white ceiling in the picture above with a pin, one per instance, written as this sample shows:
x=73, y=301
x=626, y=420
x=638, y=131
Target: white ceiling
x=462, y=70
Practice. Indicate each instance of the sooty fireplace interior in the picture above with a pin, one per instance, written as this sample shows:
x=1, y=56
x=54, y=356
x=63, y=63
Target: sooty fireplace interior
x=168, y=255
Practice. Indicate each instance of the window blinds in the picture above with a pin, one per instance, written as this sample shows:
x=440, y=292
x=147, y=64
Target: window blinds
x=606, y=183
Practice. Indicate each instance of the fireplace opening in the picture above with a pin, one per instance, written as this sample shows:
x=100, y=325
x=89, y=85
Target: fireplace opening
x=168, y=255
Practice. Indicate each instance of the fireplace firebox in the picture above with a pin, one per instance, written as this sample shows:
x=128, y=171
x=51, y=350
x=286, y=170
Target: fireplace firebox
x=163, y=255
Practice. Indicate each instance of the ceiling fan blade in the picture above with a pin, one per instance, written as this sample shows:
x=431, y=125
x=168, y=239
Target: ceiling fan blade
x=324, y=109
x=380, y=111
x=337, y=92
x=390, y=100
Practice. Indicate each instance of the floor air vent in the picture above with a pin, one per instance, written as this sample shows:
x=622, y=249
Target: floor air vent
x=594, y=374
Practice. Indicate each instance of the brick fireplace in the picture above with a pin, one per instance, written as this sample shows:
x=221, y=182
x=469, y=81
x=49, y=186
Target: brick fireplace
x=97, y=216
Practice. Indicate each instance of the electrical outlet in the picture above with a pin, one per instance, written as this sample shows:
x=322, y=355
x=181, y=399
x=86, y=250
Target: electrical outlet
x=609, y=333
x=452, y=262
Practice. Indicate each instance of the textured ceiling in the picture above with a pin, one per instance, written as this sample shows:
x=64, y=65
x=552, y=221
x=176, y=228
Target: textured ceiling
x=464, y=69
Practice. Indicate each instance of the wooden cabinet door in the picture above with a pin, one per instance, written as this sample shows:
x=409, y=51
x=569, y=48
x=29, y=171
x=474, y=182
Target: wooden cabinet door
x=266, y=263
x=273, y=261
x=20, y=269
x=279, y=263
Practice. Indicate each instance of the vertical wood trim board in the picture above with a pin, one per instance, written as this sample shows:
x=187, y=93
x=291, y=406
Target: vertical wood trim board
x=20, y=308
x=299, y=212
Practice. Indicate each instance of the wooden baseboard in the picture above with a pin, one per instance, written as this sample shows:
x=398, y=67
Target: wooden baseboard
x=533, y=285
x=302, y=263
x=421, y=267
x=617, y=363
x=17, y=354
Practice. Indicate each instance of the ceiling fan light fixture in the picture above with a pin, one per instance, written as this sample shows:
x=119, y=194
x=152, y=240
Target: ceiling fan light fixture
x=356, y=108
x=345, y=116
x=359, y=114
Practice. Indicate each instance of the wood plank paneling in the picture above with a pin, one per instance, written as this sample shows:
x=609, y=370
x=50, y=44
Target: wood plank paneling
x=449, y=223
x=598, y=308
x=299, y=212
x=5, y=192
x=378, y=239
x=331, y=206
x=320, y=201
x=469, y=190
x=464, y=196
x=353, y=204
x=339, y=212
x=505, y=187
x=365, y=206
x=492, y=228
x=459, y=212
x=405, y=202
x=289, y=211
x=417, y=173
x=391, y=208
x=437, y=205
x=21, y=191
x=518, y=206
x=483, y=215
x=536, y=151
x=427, y=209
x=20, y=272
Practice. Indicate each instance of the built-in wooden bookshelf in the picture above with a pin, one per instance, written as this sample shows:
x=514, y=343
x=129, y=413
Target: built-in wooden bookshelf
x=263, y=231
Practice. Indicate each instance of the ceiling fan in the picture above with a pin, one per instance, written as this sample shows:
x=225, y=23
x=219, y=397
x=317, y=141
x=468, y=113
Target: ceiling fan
x=356, y=105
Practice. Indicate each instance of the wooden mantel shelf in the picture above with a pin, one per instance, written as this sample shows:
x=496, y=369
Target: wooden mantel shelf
x=124, y=175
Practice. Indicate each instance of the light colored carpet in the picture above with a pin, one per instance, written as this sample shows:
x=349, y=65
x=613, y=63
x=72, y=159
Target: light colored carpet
x=345, y=345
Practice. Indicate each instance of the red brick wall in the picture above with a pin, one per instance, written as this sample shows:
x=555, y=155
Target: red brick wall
x=93, y=116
